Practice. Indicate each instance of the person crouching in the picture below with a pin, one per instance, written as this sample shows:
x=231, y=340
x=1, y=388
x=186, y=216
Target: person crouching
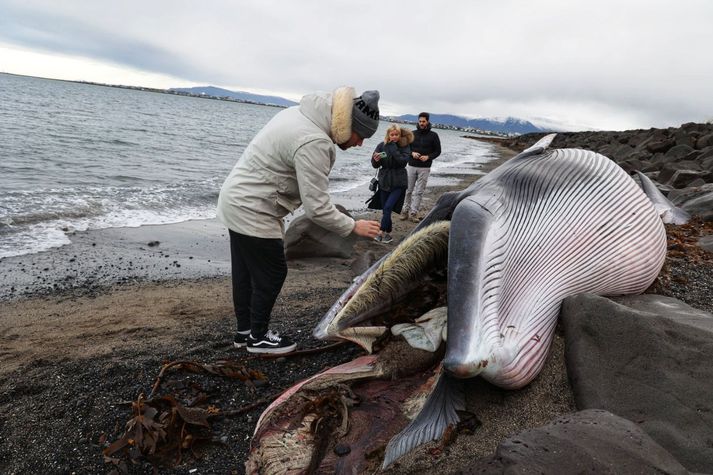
x=285, y=166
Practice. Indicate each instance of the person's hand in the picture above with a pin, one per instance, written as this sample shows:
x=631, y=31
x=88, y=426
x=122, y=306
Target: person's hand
x=423, y=158
x=416, y=155
x=365, y=228
x=376, y=156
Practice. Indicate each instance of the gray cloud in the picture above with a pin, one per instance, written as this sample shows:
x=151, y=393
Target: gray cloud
x=605, y=64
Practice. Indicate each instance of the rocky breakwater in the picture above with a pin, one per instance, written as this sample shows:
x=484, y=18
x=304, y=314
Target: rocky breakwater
x=639, y=366
x=679, y=160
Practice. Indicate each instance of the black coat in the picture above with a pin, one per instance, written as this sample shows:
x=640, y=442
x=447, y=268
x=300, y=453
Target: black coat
x=392, y=169
x=425, y=142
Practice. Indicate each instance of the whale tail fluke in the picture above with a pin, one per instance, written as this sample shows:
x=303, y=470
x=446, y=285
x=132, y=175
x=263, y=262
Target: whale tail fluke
x=438, y=413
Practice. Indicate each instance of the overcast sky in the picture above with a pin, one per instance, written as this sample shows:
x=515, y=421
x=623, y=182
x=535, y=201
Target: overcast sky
x=595, y=64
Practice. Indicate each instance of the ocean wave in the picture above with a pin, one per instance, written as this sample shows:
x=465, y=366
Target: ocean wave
x=41, y=235
x=36, y=220
x=48, y=216
x=32, y=241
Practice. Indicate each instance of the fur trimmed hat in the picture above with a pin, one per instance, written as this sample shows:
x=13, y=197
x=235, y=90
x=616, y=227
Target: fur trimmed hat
x=342, y=103
x=365, y=114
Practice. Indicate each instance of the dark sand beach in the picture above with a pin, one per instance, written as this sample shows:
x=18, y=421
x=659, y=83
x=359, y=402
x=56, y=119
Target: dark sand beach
x=79, y=345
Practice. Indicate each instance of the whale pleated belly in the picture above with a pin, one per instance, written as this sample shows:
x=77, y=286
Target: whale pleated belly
x=546, y=227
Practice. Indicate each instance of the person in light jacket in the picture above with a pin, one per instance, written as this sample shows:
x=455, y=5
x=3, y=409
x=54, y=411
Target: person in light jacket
x=286, y=165
x=391, y=157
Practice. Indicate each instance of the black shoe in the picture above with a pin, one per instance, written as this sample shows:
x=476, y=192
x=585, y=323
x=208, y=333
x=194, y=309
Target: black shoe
x=241, y=339
x=387, y=238
x=271, y=342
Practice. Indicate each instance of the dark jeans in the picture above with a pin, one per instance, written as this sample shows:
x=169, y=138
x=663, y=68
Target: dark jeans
x=389, y=199
x=259, y=270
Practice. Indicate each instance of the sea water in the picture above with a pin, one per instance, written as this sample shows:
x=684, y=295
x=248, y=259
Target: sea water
x=77, y=156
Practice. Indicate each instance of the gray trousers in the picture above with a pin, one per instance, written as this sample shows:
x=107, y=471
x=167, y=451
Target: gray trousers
x=417, y=179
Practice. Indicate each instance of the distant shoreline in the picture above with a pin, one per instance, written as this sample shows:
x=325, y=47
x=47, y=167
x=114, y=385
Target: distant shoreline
x=243, y=101
x=496, y=140
x=151, y=89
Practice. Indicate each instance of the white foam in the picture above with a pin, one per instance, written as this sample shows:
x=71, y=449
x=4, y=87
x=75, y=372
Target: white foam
x=37, y=239
x=47, y=235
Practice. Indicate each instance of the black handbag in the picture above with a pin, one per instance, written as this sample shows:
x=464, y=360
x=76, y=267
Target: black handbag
x=375, y=201
x=374, y=183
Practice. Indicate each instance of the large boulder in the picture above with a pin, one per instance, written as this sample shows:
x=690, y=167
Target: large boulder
x=697, y=200
x=687, y=177
x=701, y=205
x=620, y=152
x=660, y=145
x=685, y=137
x=706, y=158
x=630, y=165
x=680, y=173
x=591, y=441
x=648, y=359
x=640, y=139
x=304, y=238
x=681, y=152
x=681, y=196
x=658, y=159
x=704, y=141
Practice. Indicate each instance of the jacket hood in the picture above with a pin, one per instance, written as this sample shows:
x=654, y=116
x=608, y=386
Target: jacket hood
x=406, y=137
x=331, y=112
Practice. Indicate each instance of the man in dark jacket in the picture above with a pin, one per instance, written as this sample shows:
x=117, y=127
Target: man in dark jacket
x=425, y=148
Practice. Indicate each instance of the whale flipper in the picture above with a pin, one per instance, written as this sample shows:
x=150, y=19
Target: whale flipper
x=539, y=146
x=438, y=413
x=670, y=213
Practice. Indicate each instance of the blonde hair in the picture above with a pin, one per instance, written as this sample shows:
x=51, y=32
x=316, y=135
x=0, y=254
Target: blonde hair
x=391, y=127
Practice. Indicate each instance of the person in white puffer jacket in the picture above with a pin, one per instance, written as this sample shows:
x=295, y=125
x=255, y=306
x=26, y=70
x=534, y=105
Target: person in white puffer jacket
x=286, y=165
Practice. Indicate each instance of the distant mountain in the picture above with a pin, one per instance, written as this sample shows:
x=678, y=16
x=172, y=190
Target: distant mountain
x=509, y=125
x=237, y=95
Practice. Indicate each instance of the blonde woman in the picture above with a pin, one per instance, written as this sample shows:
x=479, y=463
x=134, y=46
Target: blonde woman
x=391, y=157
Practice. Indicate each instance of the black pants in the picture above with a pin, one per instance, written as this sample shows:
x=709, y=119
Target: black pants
x=259, y=270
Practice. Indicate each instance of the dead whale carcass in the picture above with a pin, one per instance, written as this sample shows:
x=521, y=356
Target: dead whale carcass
x=545, y=225
x=340, y=420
